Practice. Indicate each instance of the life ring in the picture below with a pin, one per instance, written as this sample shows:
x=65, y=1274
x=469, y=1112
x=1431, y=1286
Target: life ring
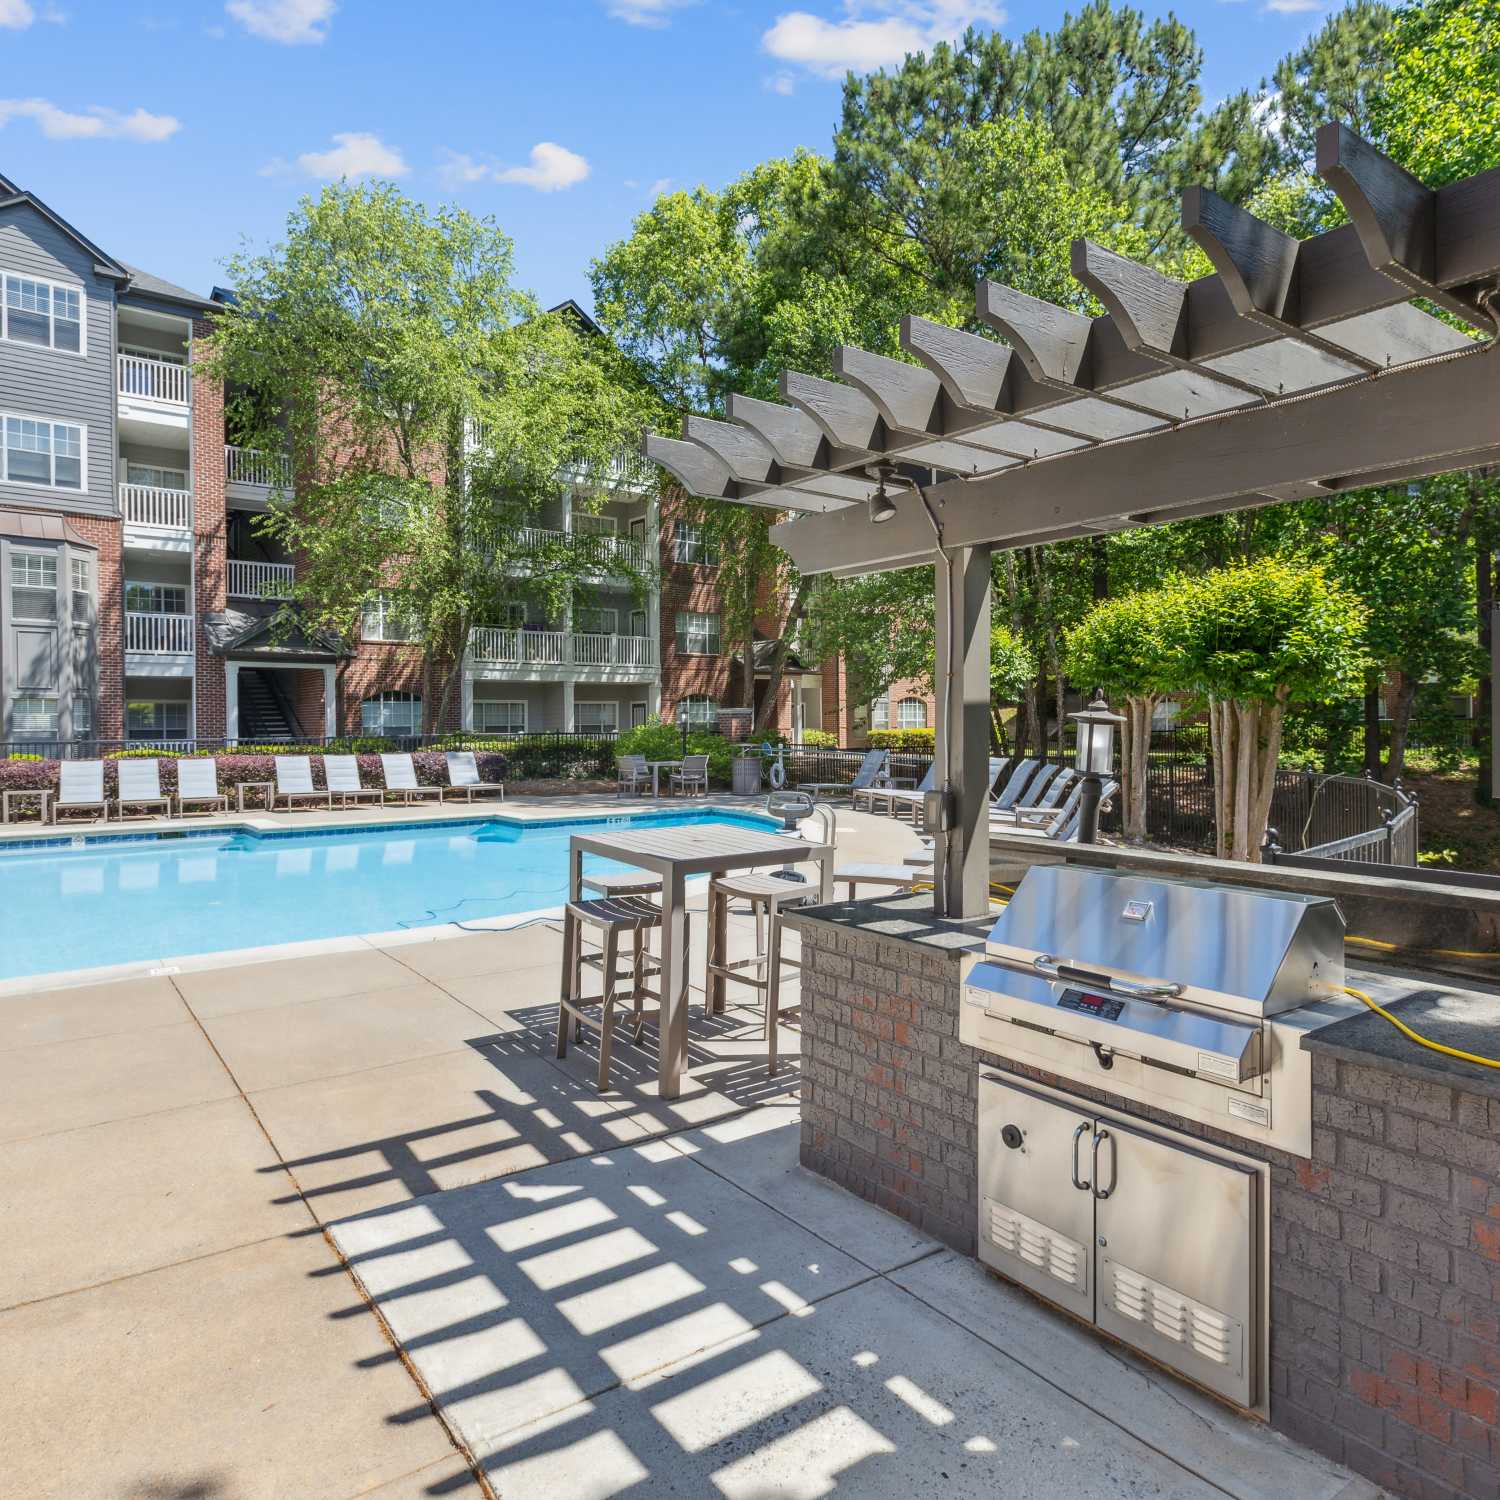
x=777, y=775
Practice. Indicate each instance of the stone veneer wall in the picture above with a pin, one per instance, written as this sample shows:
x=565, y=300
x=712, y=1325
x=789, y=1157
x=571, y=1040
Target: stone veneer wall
x=1385, y=1246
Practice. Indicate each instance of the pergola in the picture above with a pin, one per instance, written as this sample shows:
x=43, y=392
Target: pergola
x=1300, y=368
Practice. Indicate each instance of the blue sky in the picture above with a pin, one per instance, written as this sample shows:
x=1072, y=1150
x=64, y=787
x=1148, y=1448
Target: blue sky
x=170, y=130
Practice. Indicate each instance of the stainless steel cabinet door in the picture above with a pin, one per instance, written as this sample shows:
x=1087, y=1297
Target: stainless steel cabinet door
x=1176, y=1232
x=1036, y=1215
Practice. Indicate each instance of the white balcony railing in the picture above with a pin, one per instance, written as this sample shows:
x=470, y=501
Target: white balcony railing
x=158, y=635
x=154, y=380
x=260, y=580
x=605, y=549
x=257, y=467
x=559, y=648
x=165, y=510
x=587, y=525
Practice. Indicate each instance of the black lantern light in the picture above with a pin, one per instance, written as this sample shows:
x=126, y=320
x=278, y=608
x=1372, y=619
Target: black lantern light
x=1095, y=759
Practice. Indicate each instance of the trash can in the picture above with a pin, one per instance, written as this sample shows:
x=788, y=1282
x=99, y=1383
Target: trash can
x=745, y=774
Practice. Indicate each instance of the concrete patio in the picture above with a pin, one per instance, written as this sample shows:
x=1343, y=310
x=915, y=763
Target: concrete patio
x=211, y=1176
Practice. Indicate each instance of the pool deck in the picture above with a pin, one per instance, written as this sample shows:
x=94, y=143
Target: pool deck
x=341, y=1226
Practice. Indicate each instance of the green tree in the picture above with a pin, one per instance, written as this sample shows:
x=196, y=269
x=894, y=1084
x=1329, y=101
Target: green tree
x=1133, y=647
x=429, y=410
x=1255, y=639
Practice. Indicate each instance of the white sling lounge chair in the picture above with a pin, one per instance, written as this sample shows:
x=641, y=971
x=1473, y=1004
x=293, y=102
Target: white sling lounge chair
x=198, y=782
x=401, y=777
x=1015, y=784
x=463, y=777
x=1038, y=797
x=294, y=782
x=873, y=772
x=342, y=774
x=894, y=798
x=140, y=786
x=80, y=784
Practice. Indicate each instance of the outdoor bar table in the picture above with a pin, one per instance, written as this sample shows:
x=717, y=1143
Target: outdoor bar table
x=676, y=854
x=657, y=767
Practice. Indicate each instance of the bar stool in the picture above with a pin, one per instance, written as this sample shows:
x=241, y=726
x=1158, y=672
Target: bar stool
x=611, y=916
x=637, y=883
x=769, y=896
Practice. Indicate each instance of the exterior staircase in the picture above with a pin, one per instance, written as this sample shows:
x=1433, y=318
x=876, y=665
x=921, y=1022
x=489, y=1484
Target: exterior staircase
x=265, y=714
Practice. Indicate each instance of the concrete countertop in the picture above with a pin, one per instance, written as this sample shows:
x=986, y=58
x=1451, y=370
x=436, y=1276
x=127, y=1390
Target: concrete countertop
x=902, y=917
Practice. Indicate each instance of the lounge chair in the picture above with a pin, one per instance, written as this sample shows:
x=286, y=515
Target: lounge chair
x=632, y=775
x=140, y=786
x=886, y=877
x=342, y=774
x=1015, y=784
x=894, y=798
x=400, y=775
x=1039, y=796
x=874, y=771
x=1057, y=824
x=294, y=782
x=80, y=784
x=693, y=777
x=198, y=782
x=463, y=776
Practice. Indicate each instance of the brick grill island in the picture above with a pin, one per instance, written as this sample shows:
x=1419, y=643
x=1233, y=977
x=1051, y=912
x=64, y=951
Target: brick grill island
x=1384, y=1244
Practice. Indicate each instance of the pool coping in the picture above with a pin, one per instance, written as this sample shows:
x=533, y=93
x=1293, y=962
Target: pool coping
x=166, y=965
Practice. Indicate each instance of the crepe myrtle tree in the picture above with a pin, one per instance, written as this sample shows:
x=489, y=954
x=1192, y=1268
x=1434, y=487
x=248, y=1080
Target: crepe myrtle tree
x=1252, y=640
x=1132, y=647
x=429, y=410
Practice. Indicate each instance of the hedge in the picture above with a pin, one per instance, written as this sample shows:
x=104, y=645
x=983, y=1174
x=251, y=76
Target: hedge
x=905, y=741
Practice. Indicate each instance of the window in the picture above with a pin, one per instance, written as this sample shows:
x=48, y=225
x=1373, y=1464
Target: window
x=596, y=621
x=513, y=616
x=702, y=711
x=391, y=713
x=82, y=571
x=596, y=718
x=41, y=313
x=911, y=713
x=153, y=476
x=34, y=713
x=83, y=718
x=384, y=620
x=151, y=720
x=45, y=453
x=496, y=717
x=880, y=713
x=156, y=598
x=697, y=635
x=33, y=585
x=690, y=544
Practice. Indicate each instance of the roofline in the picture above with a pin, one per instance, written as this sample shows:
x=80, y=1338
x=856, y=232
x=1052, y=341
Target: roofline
x=107, y=265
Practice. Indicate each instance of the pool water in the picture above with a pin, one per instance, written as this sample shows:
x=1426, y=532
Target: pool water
x=80, y=902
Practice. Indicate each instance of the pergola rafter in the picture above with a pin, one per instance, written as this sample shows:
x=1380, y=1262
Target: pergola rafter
x=1298, y=368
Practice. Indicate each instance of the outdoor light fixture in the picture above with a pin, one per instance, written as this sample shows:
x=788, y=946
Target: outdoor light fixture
x=1095, y=759
x=682, y=724
x=882, y=507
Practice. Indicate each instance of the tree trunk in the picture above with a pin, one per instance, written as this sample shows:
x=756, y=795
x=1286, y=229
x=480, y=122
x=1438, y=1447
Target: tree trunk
x=1246, y=743
x=1135, y=749
x=778, y=657
x=1372, y=725
x=1401, y=705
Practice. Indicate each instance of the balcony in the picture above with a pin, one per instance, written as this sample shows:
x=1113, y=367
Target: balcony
x=251, y=474
x=146, y=506
x=561, y=648
x=158, y=634
x=606, y=550
x=260, y=580
x=157, y=381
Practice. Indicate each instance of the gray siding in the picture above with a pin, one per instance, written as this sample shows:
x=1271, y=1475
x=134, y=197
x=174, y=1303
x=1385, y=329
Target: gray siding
x=51, y=383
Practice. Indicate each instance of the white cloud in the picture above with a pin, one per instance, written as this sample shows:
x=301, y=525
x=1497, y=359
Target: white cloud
x=872, y=33
x=459, y=169
x=292, y=22
x=1293, y=7
x=654, y=13
x=355, y=153
x=16, y=15
x=552, y=169
x=96, y=123
x=660, y=186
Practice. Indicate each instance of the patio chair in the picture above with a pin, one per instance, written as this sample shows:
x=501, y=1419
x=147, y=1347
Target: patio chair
x=198, y=782
x=693, y=777
x=140, y=786
x=1058, y=824
x=895, y=798
x=80, y=784
x=400, y=774
x=1015, y=784
x=463, y=776
x=632, y=776
x=885, y=877
x=1038, y=797
x=874, y=771
x=342, y=775
x=294, y=782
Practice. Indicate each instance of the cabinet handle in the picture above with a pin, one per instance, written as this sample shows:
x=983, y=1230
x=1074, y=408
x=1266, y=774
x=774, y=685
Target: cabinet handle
x=1082, y=1187
x=1102, y=1136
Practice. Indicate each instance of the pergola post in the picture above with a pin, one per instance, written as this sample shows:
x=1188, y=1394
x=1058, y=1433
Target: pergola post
x=962, y=690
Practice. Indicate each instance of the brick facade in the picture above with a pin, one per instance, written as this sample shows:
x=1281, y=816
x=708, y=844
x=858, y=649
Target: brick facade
x=109, y=697
x=1385, y=1245
x=210, y=542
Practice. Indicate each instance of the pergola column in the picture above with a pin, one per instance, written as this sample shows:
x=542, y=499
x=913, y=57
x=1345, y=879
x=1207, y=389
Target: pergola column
x=962, y=690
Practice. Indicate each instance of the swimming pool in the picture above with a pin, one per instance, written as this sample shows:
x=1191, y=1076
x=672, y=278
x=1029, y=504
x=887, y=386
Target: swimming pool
x=86, y=901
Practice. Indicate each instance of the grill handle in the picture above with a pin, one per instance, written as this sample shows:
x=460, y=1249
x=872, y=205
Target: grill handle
x=1062, y=968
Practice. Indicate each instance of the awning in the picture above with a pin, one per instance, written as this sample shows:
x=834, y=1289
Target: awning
x=31, y=526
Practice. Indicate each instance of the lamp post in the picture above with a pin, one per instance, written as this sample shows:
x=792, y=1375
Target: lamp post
x=682, y=724
x=1095, y=752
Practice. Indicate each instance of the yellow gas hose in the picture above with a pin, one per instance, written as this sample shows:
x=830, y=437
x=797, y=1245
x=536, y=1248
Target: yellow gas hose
x=1422, y=1041
x=1398, y=947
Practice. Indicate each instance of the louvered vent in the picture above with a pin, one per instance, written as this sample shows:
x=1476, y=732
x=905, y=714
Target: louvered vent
x=1169, y=1314
x=1038, y=1245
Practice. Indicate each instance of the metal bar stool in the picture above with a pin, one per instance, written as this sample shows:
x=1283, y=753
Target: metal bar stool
x=769, y=896
x=636, y=883
x=612, y=916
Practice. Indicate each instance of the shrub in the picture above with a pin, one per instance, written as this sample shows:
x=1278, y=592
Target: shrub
x=659, y=740
x=819, y=739
x=905, y=741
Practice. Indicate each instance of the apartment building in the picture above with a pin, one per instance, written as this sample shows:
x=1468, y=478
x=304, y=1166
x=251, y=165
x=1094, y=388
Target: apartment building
x=138, y=600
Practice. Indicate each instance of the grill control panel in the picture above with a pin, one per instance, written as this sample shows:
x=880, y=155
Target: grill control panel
x=1105, y=1007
